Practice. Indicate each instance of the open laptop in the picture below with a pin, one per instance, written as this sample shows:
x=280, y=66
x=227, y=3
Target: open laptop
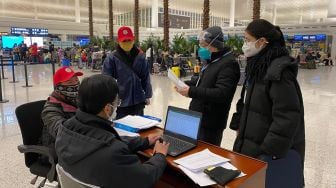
x=181, y=130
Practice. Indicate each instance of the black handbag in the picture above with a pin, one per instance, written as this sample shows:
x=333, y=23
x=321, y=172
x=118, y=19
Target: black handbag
x=235, y=120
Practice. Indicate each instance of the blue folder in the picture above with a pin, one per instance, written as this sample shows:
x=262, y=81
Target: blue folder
x=132, y=129
x=152, y=118
x=126, y=127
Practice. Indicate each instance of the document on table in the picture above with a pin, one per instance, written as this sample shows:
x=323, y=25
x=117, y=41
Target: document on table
x=201, y=160
x=137, y=122
x=125, y=133
x=179, y=83
x=203, y=179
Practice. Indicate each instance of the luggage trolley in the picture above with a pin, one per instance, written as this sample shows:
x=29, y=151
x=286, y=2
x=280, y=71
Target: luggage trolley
x=97, y=59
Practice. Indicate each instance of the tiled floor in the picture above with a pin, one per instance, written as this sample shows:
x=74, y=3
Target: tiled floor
x=319, y=93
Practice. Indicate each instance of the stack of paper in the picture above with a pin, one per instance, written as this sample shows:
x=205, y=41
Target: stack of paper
x=201, y=160
x=193, y=166
x=135, y=123
x=179, y=83
x=203, y=179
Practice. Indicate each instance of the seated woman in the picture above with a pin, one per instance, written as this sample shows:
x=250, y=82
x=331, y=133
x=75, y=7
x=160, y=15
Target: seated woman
x=90, y=149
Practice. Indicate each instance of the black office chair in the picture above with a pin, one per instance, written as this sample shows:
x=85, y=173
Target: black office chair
x=30, y=122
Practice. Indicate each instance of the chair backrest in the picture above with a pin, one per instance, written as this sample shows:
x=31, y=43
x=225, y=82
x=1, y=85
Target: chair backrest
x=68, y=181
x=30, y=122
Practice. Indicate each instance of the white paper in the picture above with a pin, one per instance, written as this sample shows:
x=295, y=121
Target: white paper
x=179, y=83
x=137, y=122
x=122, y=132
x=203, y=179
x=201, y=160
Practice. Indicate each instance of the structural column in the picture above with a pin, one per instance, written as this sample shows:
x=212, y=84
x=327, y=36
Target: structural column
x=145, y=12
x=200, y=20
x=332, y=9
x=333, y=48
x=155, y=14
x=232, y=12
x=35, y=10
x=2, y=8
x=301, y=19
x=77, y=11
x=274, y=15
x=64, y=37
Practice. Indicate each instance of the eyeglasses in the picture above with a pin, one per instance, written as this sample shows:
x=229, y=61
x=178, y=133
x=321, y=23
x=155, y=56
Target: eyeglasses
x=117, y=102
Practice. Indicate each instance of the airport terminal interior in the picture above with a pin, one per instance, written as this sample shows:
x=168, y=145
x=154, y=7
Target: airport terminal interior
x=309, y=29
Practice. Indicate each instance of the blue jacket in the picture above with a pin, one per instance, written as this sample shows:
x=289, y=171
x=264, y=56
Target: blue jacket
x=134, y=85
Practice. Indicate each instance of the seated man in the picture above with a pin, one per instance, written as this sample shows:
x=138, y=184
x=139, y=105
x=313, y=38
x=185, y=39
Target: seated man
x=61, y=105
x=90, y=149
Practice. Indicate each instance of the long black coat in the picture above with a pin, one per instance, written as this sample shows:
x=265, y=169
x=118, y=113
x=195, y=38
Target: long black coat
x=214, y=93
x=272, y=121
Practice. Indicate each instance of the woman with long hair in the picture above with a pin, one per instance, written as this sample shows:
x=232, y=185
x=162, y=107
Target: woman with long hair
x=271, y=125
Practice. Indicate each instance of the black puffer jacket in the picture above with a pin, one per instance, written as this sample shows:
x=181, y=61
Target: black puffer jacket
x=214, y=93
x=272, y=121
x=91, y=150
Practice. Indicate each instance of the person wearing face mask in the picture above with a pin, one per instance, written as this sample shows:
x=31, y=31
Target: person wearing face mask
x=213, y=91
x=272, y=119
x=60, y=105
x=128, y=65
x=90, y=149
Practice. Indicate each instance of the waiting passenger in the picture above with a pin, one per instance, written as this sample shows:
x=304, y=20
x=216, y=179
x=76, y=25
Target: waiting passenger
x=330, y=59
x=34, y=53
x=213, y=92
x=272, y=120
x=89, y=148
x=61, y=105
x=310, y=57
x=128, y=65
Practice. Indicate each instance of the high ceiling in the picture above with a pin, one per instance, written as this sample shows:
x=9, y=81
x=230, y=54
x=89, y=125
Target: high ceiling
x=287, y=11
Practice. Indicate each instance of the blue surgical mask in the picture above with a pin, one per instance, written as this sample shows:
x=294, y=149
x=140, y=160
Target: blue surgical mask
x=204, y=53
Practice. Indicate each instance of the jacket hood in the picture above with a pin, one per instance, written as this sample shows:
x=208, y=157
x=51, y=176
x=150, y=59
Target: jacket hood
x=278, y=65
x=76, y=140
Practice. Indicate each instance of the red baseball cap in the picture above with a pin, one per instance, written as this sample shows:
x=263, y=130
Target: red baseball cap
x=125, y=33
x=64, y=74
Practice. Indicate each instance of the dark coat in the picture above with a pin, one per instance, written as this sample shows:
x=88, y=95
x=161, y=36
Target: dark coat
x=55, y=111
x=272, y=121
x=132, y=74
x=214, y=93
x=91, y=150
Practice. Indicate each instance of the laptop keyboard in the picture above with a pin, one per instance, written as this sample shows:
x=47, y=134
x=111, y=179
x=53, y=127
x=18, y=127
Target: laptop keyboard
x=176, y=143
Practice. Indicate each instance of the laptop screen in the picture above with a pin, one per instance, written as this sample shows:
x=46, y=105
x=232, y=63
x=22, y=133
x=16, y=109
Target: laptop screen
x=183, y=123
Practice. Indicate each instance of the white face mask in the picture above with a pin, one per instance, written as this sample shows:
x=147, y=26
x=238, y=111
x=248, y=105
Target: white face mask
x=250, y=49
x=114, y=113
